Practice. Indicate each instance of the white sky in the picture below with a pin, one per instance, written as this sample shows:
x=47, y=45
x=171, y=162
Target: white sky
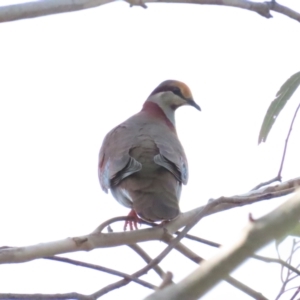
x=67, y=79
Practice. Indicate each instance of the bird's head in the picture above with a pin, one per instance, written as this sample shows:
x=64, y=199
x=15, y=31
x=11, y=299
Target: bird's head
x=171, y=94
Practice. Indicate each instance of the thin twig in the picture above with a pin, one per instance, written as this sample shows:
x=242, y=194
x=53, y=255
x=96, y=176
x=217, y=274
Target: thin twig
x=279, y=257
x=255, y=256
x=278, y=261
x=167, y=280
x=279, y=177
x=147, y=259
x=246, y=289
x=286, y=142
x=287, y=279
x=296, y=293
x=275, y=179
x=102, y=269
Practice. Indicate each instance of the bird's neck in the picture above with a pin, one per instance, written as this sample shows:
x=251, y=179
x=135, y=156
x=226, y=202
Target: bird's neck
x=163, y=105
x=156, y=110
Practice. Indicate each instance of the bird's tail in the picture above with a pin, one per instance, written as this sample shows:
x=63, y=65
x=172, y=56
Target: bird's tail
x=156, y=206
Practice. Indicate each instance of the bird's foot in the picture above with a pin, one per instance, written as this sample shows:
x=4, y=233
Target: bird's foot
x=164, y=222
x=132, y=221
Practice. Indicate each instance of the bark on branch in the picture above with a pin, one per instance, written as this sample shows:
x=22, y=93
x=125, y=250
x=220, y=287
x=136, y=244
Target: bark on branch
x=101, y=240
x=257, y=234
x=48, y=7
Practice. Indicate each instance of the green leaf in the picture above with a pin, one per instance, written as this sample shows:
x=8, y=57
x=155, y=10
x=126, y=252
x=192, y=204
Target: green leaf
x=282, y=96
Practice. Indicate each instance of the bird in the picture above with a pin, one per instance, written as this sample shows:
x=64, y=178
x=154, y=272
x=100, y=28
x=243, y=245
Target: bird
x=142, y=162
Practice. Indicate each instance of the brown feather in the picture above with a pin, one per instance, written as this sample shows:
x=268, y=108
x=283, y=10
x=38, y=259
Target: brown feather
x=142, y=160
x=147, y=186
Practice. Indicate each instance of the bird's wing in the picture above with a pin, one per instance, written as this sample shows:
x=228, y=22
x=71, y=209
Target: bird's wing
x=171, y=154
x=115, y=163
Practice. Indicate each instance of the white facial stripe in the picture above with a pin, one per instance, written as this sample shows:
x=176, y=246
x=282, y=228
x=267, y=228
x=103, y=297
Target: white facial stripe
x=165, y=101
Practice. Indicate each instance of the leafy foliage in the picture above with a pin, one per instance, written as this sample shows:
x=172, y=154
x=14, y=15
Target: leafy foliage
x=282, y=96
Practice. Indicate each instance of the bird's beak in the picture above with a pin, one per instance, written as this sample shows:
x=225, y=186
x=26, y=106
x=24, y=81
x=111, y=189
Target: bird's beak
x=191, y=102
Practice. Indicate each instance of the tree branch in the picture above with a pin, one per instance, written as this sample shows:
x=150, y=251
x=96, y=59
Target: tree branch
x=48, y=7
x=68, y=296
x=232, y=281
x=147, y=259
x=101, y=240
x=278, y=176
x=257, y=234
x=285, y=11
x=286, y=142
x=102, y=269
x=255, y=256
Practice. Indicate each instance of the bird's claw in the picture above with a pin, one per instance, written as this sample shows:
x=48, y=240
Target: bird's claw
x=132, y=221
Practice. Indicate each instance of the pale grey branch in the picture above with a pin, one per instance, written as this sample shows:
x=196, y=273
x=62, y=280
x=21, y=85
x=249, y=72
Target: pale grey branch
x=257, y=234
x=103, y=240
x=47, y=7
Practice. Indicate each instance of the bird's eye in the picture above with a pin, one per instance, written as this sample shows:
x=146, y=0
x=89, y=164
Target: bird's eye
x=177, y=91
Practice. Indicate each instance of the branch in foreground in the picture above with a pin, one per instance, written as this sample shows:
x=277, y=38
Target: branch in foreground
x=171, y=245
x=255, y=235
x=232, y=281
x=101, y=240
x=255, y=256
x=49, y=7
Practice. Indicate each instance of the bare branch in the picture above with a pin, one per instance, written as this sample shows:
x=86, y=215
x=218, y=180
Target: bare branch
x=285, y=11
x=68, y=296
x=167, y=280
x=102, y=269
x=278, y=177
x=191, y=222
x=147, y=259
x=254, y=236
x=101, y=240
x=255, y=256
x=275, y=179
x=288, y=277
x=232, y=281
x=276, y=260
x=286, y=142
x=246, y=289
x=48, y=7
x=45, y=7
x=76, y=296
x=134, y=247
x=296, y=293
x=191, y=255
